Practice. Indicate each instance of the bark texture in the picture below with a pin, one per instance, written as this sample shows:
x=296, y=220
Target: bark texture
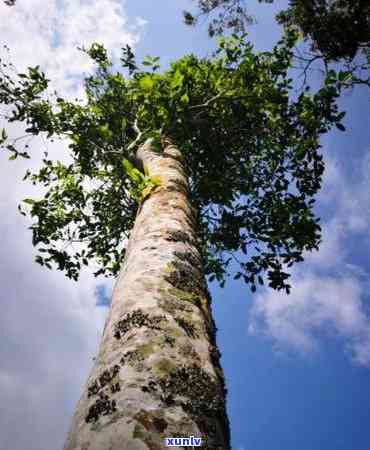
x=157, y=373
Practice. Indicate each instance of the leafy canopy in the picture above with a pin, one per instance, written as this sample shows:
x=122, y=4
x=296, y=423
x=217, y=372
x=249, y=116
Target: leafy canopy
x=251, y=151
x=337, y=30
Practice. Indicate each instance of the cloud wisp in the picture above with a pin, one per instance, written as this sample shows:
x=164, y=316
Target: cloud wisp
x=50, y=37
x=329, y=289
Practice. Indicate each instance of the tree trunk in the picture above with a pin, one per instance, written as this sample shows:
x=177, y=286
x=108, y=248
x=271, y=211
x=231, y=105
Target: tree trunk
x=157, y=374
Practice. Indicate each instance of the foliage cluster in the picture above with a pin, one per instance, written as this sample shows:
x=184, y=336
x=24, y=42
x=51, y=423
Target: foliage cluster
x=251, y=150
x=337, y=30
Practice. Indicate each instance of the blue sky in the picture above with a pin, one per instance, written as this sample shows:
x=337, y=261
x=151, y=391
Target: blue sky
x=297, y=367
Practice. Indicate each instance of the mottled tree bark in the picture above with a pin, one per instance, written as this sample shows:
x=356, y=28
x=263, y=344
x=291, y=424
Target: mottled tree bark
x=157, y=373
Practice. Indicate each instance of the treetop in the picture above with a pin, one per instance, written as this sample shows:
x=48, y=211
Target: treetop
x=250, y=144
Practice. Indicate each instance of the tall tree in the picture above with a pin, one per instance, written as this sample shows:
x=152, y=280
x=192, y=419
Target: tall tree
x=207, y=169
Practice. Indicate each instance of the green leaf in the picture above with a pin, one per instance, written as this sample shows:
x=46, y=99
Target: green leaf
x=146, y=83
x=104, y=130
x=341, y=115
x=152, y=62
x=29, y=201
x=185, y=98
x=177, y=80
x=344, y=76
x=340, y=127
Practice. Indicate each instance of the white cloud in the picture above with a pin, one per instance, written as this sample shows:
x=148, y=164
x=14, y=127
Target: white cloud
x=316, y=304
x=49, y=36
x=328, y=290
x=49, y=329
x=49, y=326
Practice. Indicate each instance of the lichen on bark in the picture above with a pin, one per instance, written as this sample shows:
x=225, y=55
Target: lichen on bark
x=157, y=373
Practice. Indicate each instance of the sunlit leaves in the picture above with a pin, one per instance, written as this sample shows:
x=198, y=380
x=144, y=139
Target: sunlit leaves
x=142, y=183
x=152, y=61
x=251, y=151
x=98, y=53
x=146, y=83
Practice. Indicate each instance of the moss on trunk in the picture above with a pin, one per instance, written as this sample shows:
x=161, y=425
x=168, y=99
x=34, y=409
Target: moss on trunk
x=157, y=373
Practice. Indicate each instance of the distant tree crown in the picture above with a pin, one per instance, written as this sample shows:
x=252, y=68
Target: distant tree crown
x=336, y=31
